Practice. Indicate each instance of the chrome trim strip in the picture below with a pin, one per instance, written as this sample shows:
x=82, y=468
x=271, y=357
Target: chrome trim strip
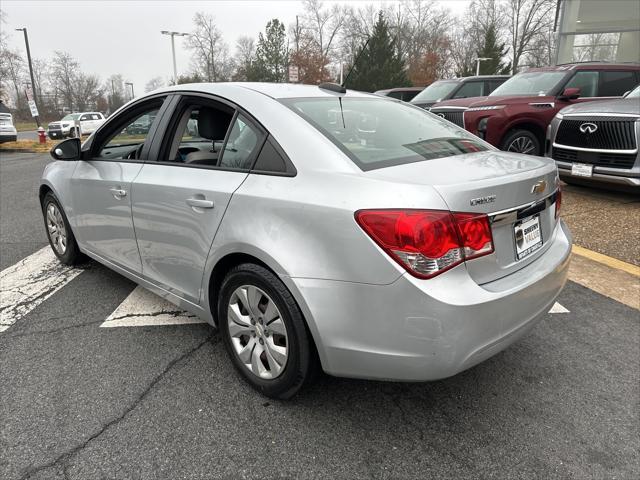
x=510, y=215
x=596, y=114
x=597, y=150
x=449, y=108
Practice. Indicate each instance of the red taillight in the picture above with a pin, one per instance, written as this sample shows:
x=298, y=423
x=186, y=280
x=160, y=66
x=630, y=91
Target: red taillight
x=428, y=242
x=558, y=201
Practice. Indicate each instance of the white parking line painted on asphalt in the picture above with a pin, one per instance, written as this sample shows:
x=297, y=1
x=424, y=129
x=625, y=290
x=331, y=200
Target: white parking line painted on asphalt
x=557, y=308
x=143, y=308
x=30, y=282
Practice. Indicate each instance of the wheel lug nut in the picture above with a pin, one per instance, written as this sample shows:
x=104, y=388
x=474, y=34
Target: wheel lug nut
x=261, y=342
x=253, y=322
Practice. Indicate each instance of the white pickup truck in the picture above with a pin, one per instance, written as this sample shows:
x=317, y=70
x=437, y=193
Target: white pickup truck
x=7, y=130
x=89, y=122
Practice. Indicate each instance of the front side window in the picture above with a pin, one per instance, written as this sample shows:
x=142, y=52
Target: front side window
x=587, y=82
x=125, y=140
x=470, y=89
x=376, y=133
x=436, y=91
x=530, y=83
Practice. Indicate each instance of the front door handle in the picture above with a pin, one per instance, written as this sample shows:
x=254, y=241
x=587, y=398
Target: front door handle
x=199, y=203
x=118, y=192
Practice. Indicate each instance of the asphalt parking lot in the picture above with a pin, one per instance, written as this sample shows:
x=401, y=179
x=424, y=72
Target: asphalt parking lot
x=90, y=391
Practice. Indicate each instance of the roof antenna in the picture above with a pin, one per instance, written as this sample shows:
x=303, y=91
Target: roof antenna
x=334, y=87
x=344, y=82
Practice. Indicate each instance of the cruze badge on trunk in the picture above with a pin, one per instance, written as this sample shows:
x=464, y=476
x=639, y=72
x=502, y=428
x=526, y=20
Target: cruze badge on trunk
x=482, y=200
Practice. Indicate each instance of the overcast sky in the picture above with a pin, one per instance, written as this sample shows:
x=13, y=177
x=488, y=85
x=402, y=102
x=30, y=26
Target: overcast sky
x=109, y=37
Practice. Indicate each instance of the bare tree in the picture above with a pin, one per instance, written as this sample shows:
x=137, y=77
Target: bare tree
x=154, y=84
x=86, y=91
x=64, y=69
x=114, y=88
x=210, y=53
x=323, y=26
x=527, y=21
x=244, y=58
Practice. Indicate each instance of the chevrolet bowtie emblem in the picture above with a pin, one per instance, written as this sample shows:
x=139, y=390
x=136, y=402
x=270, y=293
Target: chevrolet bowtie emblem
x=539, y=187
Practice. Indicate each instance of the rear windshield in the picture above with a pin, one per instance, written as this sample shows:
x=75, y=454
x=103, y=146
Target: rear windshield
x=530, y=83
x=435, y=91
x=376, y=133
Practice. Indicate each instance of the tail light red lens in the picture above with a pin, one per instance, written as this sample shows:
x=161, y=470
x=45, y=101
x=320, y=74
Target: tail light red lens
x=428, y=242
x=558, y=201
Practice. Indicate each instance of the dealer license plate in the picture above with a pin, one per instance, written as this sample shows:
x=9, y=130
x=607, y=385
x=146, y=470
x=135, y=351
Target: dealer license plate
x=581, y=170
x=528, y=236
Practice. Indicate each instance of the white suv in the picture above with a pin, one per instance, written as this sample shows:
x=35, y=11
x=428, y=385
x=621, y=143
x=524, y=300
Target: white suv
x=7, y=130
x=89, y=122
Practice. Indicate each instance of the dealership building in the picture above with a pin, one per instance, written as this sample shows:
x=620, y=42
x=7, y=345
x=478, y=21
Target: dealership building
x=598, y=30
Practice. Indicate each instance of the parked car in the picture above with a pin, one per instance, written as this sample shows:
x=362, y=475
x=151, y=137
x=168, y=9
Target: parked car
x=464, y=87
x=8, y=132
x=405, y=94
x=516, y=115
x=385, y=243
x=597, y=142
x=89, y=122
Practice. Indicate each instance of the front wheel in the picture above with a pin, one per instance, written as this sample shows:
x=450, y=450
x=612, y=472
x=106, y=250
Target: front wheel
x=264, y=332
x=522, y=141
x=59, y=233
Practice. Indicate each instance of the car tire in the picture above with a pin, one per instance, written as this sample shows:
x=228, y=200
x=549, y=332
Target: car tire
x=249, y=351
x=57, y=227
x=522, y=141
x=72, y=132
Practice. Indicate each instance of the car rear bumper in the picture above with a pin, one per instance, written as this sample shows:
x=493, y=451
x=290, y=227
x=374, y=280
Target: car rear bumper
x=419, y=330
x=8, y=136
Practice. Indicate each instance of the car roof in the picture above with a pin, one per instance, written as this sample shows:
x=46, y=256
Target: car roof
x=400, y=89
x=586, y=66
x=273, y=90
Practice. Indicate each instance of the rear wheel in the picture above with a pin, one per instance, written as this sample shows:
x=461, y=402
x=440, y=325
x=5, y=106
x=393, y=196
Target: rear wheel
x=59, y=233
x=522, y=141
x=264, y=332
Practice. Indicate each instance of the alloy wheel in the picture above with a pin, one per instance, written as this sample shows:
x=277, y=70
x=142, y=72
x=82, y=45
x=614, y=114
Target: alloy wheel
x=56, y=229
x=258, y=333
x=522, y=145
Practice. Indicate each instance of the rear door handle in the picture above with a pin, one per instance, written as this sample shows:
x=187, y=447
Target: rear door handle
x=118, y=192
x=199, y=203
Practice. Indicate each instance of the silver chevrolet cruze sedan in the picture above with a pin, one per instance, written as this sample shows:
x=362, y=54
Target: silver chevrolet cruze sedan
x=317, y=228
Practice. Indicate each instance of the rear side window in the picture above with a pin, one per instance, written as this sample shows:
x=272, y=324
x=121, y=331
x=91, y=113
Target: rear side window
x=493, y=84
x=376, y=133
x=241, y=146
x=409, y=95
x=616, y=84
x=470, y=89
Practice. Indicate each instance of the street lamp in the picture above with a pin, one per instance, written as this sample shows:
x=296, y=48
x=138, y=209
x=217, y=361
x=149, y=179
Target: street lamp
x=33, y=83
x=131, y=85
x=478, y=60
x=173, y=51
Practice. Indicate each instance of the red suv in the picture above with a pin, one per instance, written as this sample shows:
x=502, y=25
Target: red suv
x=516, y=115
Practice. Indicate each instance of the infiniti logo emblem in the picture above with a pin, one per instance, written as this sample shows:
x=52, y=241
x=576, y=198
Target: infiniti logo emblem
x=588, y=127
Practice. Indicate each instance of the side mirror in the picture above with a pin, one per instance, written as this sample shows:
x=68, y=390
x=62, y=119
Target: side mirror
x=68, y=149
x=570, y=94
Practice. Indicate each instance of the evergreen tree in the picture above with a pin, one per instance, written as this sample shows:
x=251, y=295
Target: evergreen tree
x=492, y=49
x=379, y=65
x=272, y=55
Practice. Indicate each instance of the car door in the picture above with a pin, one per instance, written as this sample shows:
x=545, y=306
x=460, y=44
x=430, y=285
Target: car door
x=85, y=123
x=101, y=188
x=179, y=201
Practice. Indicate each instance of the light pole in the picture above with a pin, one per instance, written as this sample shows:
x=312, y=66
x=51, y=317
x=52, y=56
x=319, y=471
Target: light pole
x=478, y=60
x=173, y=51
x=131, y=85
x=33, y=83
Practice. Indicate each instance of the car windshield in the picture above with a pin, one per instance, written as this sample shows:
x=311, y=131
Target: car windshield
x=376, y=133
x=72, y=116
x=435, y=91
x=635, y=93
x=530, y=83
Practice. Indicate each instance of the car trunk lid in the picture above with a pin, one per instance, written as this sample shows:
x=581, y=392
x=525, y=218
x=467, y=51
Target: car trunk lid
x=510, y=188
